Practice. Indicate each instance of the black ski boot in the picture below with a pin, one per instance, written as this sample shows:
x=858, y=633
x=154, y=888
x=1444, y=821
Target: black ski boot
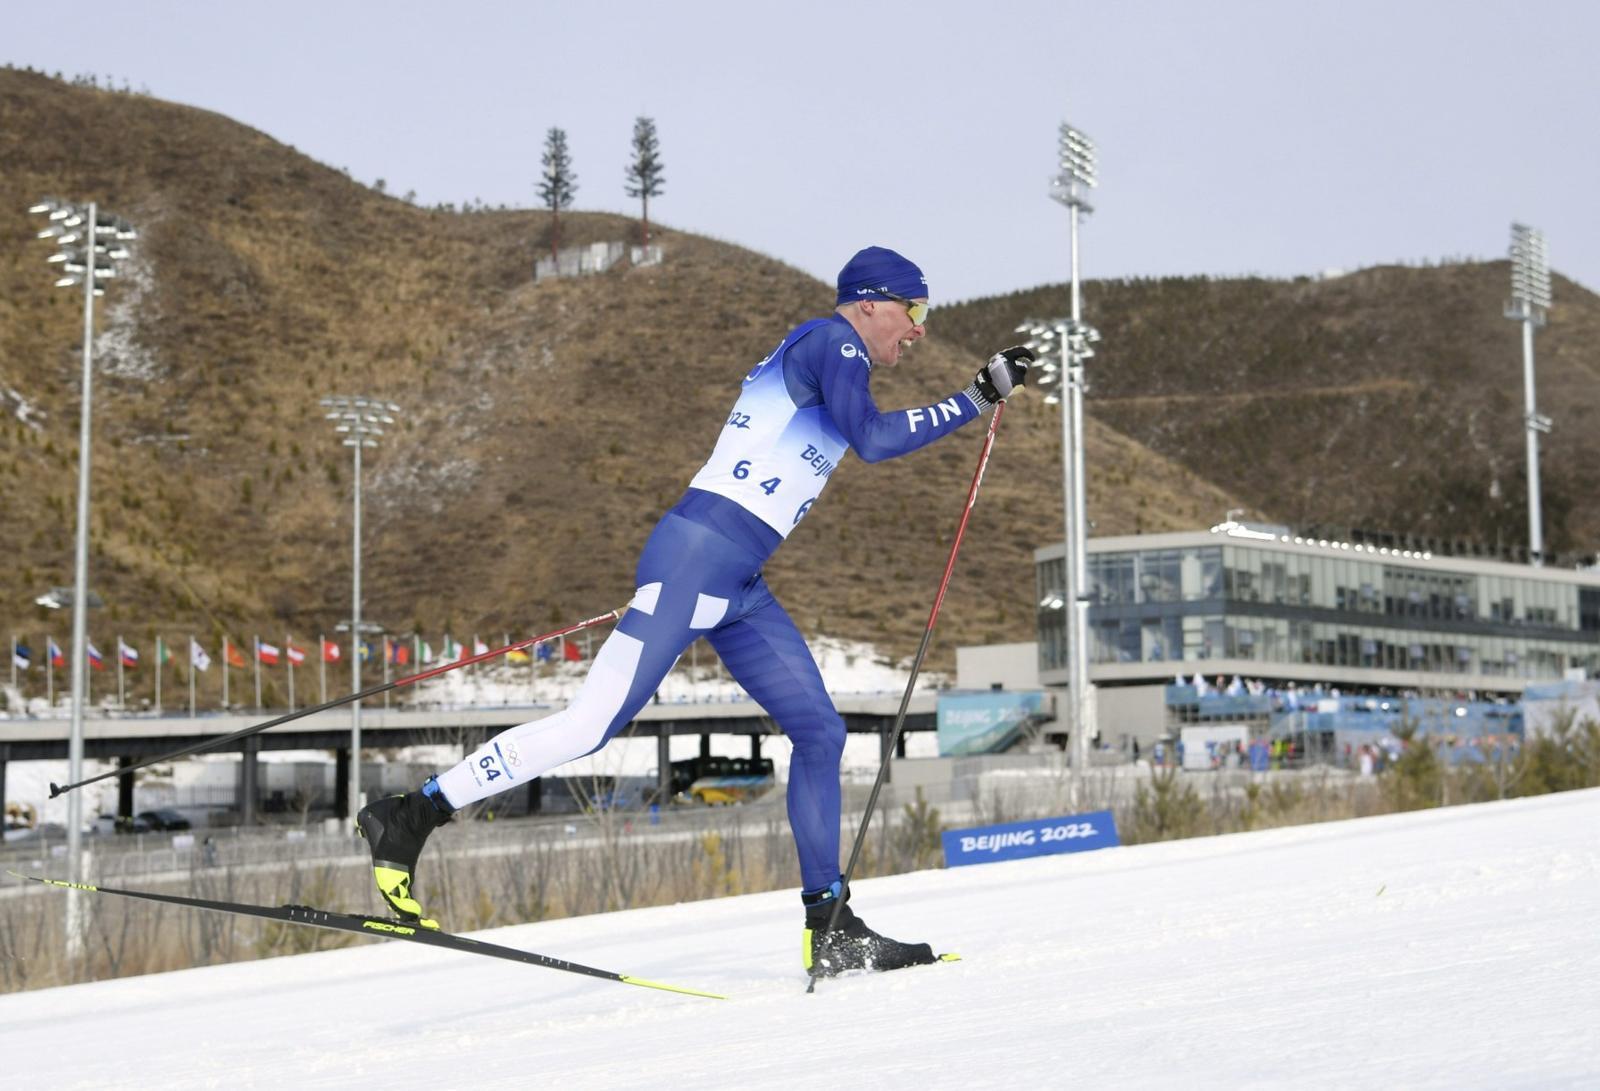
x=396, y=828
x=850, y=944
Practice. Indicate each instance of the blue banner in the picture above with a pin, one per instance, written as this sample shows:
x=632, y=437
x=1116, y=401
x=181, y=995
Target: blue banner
x=983, y=723
x=1038, y=837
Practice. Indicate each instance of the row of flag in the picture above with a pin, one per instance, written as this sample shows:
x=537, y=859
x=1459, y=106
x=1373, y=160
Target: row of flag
x=397, y=652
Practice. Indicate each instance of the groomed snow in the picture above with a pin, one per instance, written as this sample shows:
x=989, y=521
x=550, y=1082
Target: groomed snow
x=1448, y=948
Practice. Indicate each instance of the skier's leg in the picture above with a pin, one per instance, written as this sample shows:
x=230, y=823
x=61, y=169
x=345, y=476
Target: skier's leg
x=766, y=654
x=629, y=666
x=686, y=576
x=626, y=671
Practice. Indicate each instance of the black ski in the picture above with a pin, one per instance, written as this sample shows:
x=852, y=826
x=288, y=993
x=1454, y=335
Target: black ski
x=381, y=927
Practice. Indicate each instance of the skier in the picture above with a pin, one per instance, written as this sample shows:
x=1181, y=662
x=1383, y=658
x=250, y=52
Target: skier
x=700, y=575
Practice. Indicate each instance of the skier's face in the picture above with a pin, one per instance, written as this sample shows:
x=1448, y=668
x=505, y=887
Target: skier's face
x=889, y=328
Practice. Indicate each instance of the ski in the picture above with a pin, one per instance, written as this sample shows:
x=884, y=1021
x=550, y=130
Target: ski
x=380, y=927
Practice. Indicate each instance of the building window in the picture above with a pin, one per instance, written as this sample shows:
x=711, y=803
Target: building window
x=1589, y=610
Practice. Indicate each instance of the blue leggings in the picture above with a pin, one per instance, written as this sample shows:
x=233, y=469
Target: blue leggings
x=692, y=582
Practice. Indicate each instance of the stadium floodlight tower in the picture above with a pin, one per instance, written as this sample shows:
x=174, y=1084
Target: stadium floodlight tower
x=1530, y=299
x=1065, y=344
x=88, y=246
x=359, y=420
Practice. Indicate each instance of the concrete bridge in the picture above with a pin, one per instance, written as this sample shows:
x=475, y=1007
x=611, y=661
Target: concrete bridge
x=129, y=739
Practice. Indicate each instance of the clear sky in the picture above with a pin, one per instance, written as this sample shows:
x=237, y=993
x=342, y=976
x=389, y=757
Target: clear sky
x=1235, y=136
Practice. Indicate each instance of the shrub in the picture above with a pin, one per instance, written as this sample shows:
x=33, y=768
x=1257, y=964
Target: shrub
x=1168, y=809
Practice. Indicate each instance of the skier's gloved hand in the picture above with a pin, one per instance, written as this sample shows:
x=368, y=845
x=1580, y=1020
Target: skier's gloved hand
x=1005, y=371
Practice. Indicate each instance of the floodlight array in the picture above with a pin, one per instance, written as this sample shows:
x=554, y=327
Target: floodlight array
x=70, y=226
x=1530, y=268
x=359, y=419
x=1076, y=159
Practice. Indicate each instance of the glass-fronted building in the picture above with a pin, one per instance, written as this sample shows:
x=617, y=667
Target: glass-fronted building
x=1260, y=602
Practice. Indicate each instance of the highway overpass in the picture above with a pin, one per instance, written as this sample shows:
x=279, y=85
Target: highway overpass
x=134, y=737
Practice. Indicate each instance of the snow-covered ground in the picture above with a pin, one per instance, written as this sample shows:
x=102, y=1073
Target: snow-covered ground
x=1447, y=948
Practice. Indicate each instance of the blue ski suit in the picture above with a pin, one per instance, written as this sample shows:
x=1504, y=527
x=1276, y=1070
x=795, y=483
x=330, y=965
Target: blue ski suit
x=700, y=575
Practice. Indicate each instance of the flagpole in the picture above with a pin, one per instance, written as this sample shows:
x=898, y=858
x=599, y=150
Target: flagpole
x=191, y=675
x=225, y=674
x=159, y=646
x=386, y=654
x=288, y=651
x=122, y=690
x=322, y=668
x=50, y=673
x=13, y=660
x=258, y=672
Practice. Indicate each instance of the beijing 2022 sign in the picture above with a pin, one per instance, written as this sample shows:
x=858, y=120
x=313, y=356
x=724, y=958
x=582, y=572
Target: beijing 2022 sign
x=1037, y=837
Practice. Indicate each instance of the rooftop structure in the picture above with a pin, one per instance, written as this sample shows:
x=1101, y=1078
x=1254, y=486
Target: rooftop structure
x=1263, y=603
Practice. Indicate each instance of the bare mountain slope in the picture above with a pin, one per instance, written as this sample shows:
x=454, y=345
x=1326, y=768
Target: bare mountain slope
x=544, y=426
x=1388, y=399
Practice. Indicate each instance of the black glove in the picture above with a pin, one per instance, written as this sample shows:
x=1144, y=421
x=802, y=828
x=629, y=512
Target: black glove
x=1005, y=371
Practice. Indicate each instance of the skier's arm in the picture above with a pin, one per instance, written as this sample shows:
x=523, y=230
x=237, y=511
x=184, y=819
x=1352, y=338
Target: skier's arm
x=873, y=435
x=876, y=436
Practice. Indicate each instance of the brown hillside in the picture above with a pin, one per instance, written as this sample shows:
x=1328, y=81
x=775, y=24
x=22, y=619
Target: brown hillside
x=1389, y=399
x=545, y=426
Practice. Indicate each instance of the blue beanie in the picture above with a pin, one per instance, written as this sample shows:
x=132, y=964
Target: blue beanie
x=878, y=269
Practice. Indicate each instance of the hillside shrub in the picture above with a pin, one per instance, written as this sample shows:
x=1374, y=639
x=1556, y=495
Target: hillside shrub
x=1416, y=779
x=1166, y=810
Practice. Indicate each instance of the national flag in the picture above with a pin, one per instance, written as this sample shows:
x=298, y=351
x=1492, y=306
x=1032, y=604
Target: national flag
x=426, y=654
x=397, y=652
x=544, y=652
x=570, y=651
x=452, y=650
x=231, y=654
x=267, y=653
x=197, y=656
x=127, y=653
x=96, y=660
x=331, y=652
x=479, y=647
x=517, y=655
x=21, y=656
x=56, y=658
x=369, y=651
x=296, y=655
x=163, y=653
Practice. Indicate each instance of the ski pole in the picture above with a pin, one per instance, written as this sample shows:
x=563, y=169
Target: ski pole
x=916, y=668
x=372, y=691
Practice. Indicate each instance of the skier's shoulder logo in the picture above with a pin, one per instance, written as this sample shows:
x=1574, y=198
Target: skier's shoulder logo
x=847, y=350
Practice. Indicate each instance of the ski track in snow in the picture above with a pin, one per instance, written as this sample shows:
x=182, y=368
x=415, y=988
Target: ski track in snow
x=1449, y=948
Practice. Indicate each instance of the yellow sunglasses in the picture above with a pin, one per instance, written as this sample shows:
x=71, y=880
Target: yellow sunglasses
x=917, y=312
